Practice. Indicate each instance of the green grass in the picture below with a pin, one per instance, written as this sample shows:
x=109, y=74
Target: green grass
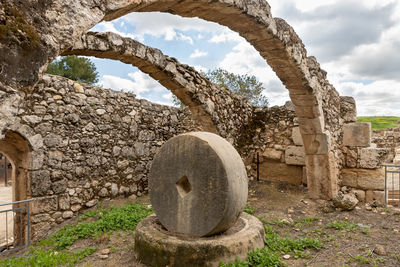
x=111, y=219
x=275, y=246
x=380, y=122
x=53, y=251
x=37, y=257
x=342, y=225
x=249, y=210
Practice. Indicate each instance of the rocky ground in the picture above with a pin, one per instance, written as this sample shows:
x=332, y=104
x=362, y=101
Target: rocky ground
x=365, y=236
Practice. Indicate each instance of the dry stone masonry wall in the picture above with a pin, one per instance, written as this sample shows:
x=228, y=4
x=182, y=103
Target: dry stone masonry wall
x=216, y=109
x=90, y=143
x=61, y=23
x=87, y=143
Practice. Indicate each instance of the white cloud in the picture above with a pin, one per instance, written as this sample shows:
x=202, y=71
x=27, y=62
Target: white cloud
x=109, y=26
x=224, y=37
x=168, y=96
x=168, y=26
x=244, y=59
x=200, y=68
x=139, y=84
x=197, y=53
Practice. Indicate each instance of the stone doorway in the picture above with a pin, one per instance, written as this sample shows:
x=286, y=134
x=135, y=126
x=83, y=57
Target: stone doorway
x=6, y=221
x=15, y=151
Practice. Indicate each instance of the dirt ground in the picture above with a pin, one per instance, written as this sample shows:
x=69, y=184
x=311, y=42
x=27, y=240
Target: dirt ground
x=372, y=239
x=6, y=222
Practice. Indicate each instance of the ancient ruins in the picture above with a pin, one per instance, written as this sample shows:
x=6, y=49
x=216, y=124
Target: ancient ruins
x=198, y=190
x=74, y=144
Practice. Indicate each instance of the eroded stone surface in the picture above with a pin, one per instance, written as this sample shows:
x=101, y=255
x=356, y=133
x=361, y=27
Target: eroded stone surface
x=294, y=155
x=216, y=109
x=156, y=247
x=357, y=134
x=198, y=184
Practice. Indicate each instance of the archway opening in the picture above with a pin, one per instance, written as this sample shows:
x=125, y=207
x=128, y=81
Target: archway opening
x=14, y=187
x=6, y=219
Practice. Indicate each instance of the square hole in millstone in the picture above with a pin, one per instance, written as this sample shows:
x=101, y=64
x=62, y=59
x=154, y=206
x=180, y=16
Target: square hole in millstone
x=183, y=186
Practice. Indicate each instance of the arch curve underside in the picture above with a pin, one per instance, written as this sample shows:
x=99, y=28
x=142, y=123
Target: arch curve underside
x=313, y=97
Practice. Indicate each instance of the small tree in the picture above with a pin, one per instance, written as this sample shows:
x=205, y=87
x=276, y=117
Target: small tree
x=244, y=85
x=75, y=68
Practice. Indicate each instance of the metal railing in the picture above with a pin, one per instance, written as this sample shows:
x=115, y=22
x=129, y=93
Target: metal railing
x=21, y=226
x=392, y=184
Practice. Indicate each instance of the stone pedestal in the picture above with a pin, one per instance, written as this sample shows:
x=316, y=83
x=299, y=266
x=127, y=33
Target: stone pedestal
x=155, y=246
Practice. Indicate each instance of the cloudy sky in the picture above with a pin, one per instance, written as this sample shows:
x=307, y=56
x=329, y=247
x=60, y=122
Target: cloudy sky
x=356, y=42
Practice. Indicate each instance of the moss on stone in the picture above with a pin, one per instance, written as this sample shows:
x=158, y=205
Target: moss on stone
x=14, y=26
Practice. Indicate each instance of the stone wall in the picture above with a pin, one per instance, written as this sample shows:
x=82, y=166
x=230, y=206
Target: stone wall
x=216, y=109
x=388, y=138
x=90, y=143
x=50, y=28
x=362, y=172
x=277, y=140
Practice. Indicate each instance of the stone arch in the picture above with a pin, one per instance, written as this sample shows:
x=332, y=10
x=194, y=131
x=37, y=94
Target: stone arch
x=316, y=102
x=16, y=148
x=225, y=114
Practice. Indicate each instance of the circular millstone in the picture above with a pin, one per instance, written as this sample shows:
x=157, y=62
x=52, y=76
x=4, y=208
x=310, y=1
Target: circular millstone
x=198, y=184
x=157, y=247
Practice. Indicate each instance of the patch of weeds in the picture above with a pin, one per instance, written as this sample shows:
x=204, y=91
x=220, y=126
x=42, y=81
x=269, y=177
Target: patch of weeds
x=91, y=214
x=305, y=221
x=258, y=257
x=360, y=259
x=365, y=231
x=112, y=219
x=278, y=222
x=342, y=225
x=369, y=258
x=249, y=210
x=398, y=257
x=48, y=258
x=275, y=246
x=288, y=245
x=319, y=232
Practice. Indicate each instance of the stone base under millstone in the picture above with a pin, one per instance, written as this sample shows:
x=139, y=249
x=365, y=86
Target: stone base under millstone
x=155, y=246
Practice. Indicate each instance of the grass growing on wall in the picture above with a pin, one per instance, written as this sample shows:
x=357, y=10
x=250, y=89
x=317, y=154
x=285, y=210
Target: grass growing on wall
x=380, y=122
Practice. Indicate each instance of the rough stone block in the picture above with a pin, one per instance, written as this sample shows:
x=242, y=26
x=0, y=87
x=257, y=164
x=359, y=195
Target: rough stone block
x=295, y=155
x=348, y=109
x=276, y=171
x=372, y=158
x=44, y=204
x=373, y=179
x=360, y=194
x=312, y=126
x=351, y=157
x=375, y=196
x=317, y=143
x=308, y=112
x=349, y=177
x=296, y=136
x=357, y=134
x=271, y=153
x=322, y=176
x=40, y=182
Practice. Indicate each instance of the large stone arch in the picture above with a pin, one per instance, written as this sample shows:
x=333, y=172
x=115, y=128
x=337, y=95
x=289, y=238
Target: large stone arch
x=62, y=22
x=216, y=109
